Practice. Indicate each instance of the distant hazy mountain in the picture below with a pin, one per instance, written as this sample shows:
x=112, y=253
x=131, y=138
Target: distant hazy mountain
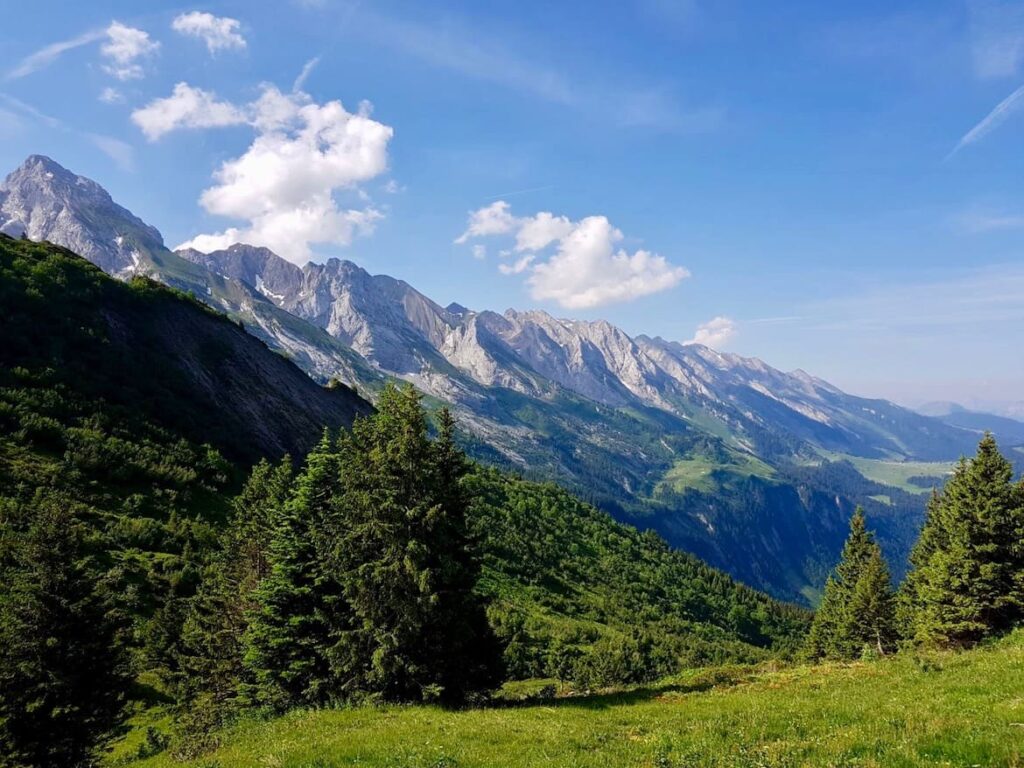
x=724, y=455
x=1009, y=432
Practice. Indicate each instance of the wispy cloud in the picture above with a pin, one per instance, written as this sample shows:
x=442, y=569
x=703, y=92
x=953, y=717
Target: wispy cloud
x=979, y=220
x=121, y=152
x=307, y=69
x=455, y=45
x=991, y=121
x=50, y=53
x=997, y=37
x=969, y=302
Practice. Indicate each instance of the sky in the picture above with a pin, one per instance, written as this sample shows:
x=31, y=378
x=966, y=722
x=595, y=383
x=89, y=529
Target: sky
x=834, y=187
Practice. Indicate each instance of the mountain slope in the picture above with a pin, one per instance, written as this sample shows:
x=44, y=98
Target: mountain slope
x=724, y=455
x=104, y=413
x=144, y=347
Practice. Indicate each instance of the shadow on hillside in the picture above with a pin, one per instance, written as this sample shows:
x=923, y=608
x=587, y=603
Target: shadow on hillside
x=606, y=699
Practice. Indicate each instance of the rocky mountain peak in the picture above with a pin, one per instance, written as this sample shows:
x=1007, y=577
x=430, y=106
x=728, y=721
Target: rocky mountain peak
x=45, y=201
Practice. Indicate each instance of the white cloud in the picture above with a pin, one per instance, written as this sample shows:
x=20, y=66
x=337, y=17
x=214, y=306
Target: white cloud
x=218, y=32
x=493, y=219
x=284, y=184
x=584, y=266
x=517, y=266
x=992, y=120
x=715, y=333
x=111, y=96
x=997, y=37
x=186, y=107
x=479, y=251
x=124, y=47
x=307, y=69
x=50, y=53
x=541, y=230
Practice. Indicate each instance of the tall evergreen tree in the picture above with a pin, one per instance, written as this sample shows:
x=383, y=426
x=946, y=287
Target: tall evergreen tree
x=298, y=607
x=63, y=675
x=857, y=608
x=967, y=577
x=211, y=660
x=407, y=562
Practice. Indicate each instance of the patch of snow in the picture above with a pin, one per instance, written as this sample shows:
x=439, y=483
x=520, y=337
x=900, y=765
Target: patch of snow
x=263, y=289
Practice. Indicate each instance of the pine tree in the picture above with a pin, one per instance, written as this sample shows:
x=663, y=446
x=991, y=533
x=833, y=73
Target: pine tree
x=967, y=577
x=211, y=660
x=407, y=561
x=63, y=675
x=857, y=608
x=298, y=607
x=871, y=614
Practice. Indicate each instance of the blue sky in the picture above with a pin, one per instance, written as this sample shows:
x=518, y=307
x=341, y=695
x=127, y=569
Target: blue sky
x=834, y=187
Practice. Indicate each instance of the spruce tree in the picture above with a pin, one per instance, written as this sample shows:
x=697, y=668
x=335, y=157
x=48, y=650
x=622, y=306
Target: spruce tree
x=967, y=577
x=298, y=607
x=871, y=614
x=63, y=675
x=857, y=608
x=407, y=561
x=211, y=661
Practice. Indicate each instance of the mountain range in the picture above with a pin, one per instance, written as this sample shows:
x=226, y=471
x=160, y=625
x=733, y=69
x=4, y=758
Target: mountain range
x=751, y=468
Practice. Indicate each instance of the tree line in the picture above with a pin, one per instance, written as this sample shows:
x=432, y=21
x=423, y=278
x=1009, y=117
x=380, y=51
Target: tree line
x=966, y=581
x=358, y=577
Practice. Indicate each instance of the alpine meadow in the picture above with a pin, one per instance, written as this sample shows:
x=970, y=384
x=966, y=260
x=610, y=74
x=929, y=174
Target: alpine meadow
x=264, y=504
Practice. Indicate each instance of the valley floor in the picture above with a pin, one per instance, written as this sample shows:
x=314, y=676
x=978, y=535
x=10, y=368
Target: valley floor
x=943, y=709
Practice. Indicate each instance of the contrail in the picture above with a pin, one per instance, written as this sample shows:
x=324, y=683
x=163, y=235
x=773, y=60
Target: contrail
x=1003, y=110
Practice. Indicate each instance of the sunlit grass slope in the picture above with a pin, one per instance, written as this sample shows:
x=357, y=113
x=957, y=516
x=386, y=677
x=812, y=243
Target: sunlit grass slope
x=948, y=710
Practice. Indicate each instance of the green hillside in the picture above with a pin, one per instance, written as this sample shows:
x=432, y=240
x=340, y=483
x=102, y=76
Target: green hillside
x=934, y=709
x=104, y=414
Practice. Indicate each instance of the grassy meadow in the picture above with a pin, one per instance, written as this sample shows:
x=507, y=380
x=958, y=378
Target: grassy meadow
x=943, y=709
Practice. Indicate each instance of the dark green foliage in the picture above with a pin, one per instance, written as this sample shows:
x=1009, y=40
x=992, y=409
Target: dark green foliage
x=62, y=672
x=967, y=580
x=212, y=673
x=407, y=562
x=562, y=575
x=298, y=609
x=857, y=609
x=75, y=429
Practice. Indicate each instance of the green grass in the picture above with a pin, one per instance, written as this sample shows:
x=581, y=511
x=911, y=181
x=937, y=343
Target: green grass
x=895, y=473
x=944, y=709
x=703, y=473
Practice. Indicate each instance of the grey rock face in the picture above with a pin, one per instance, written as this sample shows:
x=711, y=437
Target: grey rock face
x=47, y=202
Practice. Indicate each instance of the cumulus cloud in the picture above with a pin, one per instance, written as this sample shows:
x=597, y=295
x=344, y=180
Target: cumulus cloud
x=186, y=107
x=479, y=251
x=284, y=184
x=218, y=32
x=715, y=333
x=494, y=219
x=124, y=49
x=578, y=264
